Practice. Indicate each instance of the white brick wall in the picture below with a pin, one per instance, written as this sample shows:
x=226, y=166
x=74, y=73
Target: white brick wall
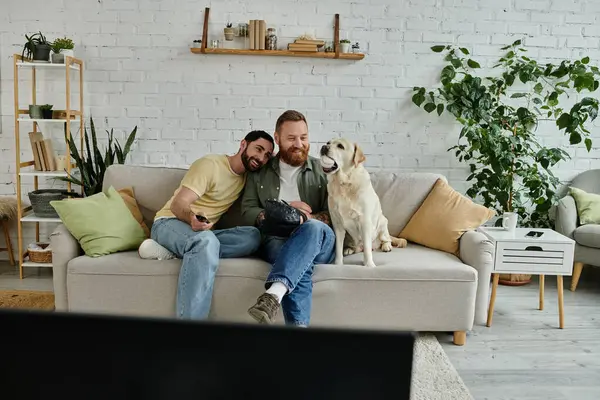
x=139, y=71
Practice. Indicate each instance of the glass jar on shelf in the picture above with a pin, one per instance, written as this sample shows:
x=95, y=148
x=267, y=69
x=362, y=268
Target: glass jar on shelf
x=271, y=39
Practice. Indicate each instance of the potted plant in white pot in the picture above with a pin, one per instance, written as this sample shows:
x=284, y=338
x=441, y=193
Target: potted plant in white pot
x=345, y=46
x=62, y=47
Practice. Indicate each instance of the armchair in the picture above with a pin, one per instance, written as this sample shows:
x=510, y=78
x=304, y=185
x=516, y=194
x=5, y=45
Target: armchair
x=587, y=237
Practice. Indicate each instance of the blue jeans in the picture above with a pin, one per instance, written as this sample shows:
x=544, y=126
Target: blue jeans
x=200, y=252
x=293, y=260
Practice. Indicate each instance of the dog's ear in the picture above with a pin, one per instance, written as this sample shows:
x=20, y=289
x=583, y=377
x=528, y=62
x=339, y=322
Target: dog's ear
x=359, y=156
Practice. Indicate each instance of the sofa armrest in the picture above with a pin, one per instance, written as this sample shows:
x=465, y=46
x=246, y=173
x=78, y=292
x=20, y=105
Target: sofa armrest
x=477, y=251
x=566, y=216
x=64, y=248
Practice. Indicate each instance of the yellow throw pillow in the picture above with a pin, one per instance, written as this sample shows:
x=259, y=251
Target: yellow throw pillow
x=443, y=218
x=131, y=203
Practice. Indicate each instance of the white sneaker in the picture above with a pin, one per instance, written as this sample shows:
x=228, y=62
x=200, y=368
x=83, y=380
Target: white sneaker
x=151, y=250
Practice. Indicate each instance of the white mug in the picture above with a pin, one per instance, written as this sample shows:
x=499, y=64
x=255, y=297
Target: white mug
x=509, y=221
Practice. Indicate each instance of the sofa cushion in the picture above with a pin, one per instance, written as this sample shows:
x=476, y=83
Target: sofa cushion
x=413, y=262
x=588, y=235
x=102, y=223
x=153, y=186
x=443, y=218
x=129, y=198
x=401, y=194
x=588, y=206
x=130, y=263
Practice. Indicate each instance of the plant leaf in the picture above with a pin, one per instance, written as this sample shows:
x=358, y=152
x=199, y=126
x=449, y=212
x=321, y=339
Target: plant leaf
x=588, y=144
x=129, y=143
x=429, y=107
x=464, y=51
x=438, y=49
x=585, y=60
x=440, y=108
x=563, y=121
x=473, y=64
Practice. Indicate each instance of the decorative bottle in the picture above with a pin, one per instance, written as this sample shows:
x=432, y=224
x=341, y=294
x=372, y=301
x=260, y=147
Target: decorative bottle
x=271, y=39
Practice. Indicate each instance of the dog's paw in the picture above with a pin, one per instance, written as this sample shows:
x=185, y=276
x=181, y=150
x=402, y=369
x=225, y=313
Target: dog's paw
x=348, y=251
x=370, y=264
x=386, y=246
x=398, y=242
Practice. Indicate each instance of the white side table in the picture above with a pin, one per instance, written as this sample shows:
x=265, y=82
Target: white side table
x=550, y=254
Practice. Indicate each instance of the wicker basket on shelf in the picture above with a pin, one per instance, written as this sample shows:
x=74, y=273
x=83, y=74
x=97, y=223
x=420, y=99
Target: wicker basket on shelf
x=40, y=256
x=40, y=201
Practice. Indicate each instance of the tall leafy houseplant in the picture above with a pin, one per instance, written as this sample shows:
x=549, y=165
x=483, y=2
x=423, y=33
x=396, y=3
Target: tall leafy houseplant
x=510, y=169
x=94, y=165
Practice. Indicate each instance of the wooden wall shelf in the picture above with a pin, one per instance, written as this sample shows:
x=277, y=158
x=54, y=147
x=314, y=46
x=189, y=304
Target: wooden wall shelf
x=278, y=53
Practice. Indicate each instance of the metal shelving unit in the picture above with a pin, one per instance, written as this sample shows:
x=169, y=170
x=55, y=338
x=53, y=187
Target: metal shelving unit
x=24, y=168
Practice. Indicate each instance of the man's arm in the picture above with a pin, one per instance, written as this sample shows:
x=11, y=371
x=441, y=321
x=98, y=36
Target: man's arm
x=193, y=186
x=181, y=204
x=252, y=212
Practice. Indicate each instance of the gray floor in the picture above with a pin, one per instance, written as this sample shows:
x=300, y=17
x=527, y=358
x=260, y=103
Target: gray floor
x=524, y=355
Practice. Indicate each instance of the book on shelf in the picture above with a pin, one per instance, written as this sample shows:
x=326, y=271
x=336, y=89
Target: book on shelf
x=33, y=138
x=302, y=47
x=318, y=43
x=252, y=32
x=257, y=32
x=43, y=152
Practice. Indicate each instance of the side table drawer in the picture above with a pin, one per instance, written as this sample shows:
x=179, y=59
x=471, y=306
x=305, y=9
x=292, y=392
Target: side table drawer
x=534, y=258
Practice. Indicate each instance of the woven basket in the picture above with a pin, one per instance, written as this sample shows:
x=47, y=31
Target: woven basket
x=40, y=256
x=40, y=201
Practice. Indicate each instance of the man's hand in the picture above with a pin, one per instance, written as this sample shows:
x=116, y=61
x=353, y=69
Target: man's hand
x=199, y=225
x=302, y=206
x=323, y=216
x=305, y=208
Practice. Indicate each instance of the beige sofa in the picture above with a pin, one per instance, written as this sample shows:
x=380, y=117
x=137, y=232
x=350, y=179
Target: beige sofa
x=413, y=288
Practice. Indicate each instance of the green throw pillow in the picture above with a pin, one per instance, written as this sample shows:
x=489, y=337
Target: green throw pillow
x=588, y=206
x=101, y=223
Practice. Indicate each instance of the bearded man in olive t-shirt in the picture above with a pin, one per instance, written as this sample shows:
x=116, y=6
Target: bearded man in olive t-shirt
x=183, y=227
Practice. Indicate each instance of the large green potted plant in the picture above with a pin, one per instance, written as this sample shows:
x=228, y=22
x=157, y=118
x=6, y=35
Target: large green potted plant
x=92, y=167
x=500, y=112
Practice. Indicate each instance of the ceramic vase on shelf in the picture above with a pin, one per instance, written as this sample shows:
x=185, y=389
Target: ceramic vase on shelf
x=67, y=52
x=345, y=47
x=228, y=32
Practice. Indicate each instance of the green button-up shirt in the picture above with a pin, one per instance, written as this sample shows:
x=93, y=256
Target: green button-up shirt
x=264, y=185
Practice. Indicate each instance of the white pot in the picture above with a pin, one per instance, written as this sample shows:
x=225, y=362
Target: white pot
x=345, y=47
x=67, y=53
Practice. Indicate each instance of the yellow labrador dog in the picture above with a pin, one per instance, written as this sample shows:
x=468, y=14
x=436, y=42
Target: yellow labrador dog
x=353, y=204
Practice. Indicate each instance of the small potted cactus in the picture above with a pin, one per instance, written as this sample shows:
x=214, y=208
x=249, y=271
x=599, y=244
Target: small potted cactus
x=228, y=31
x=345, y=46
x=46, y=111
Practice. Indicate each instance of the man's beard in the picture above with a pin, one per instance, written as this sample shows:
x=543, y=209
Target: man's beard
x=247, y=161
x=294, y=156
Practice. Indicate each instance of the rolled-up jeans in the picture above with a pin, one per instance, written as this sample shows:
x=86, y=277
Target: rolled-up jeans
x=293, y=260
x=200, y=252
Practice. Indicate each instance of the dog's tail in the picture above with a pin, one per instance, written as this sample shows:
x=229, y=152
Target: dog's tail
x=398, y=242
